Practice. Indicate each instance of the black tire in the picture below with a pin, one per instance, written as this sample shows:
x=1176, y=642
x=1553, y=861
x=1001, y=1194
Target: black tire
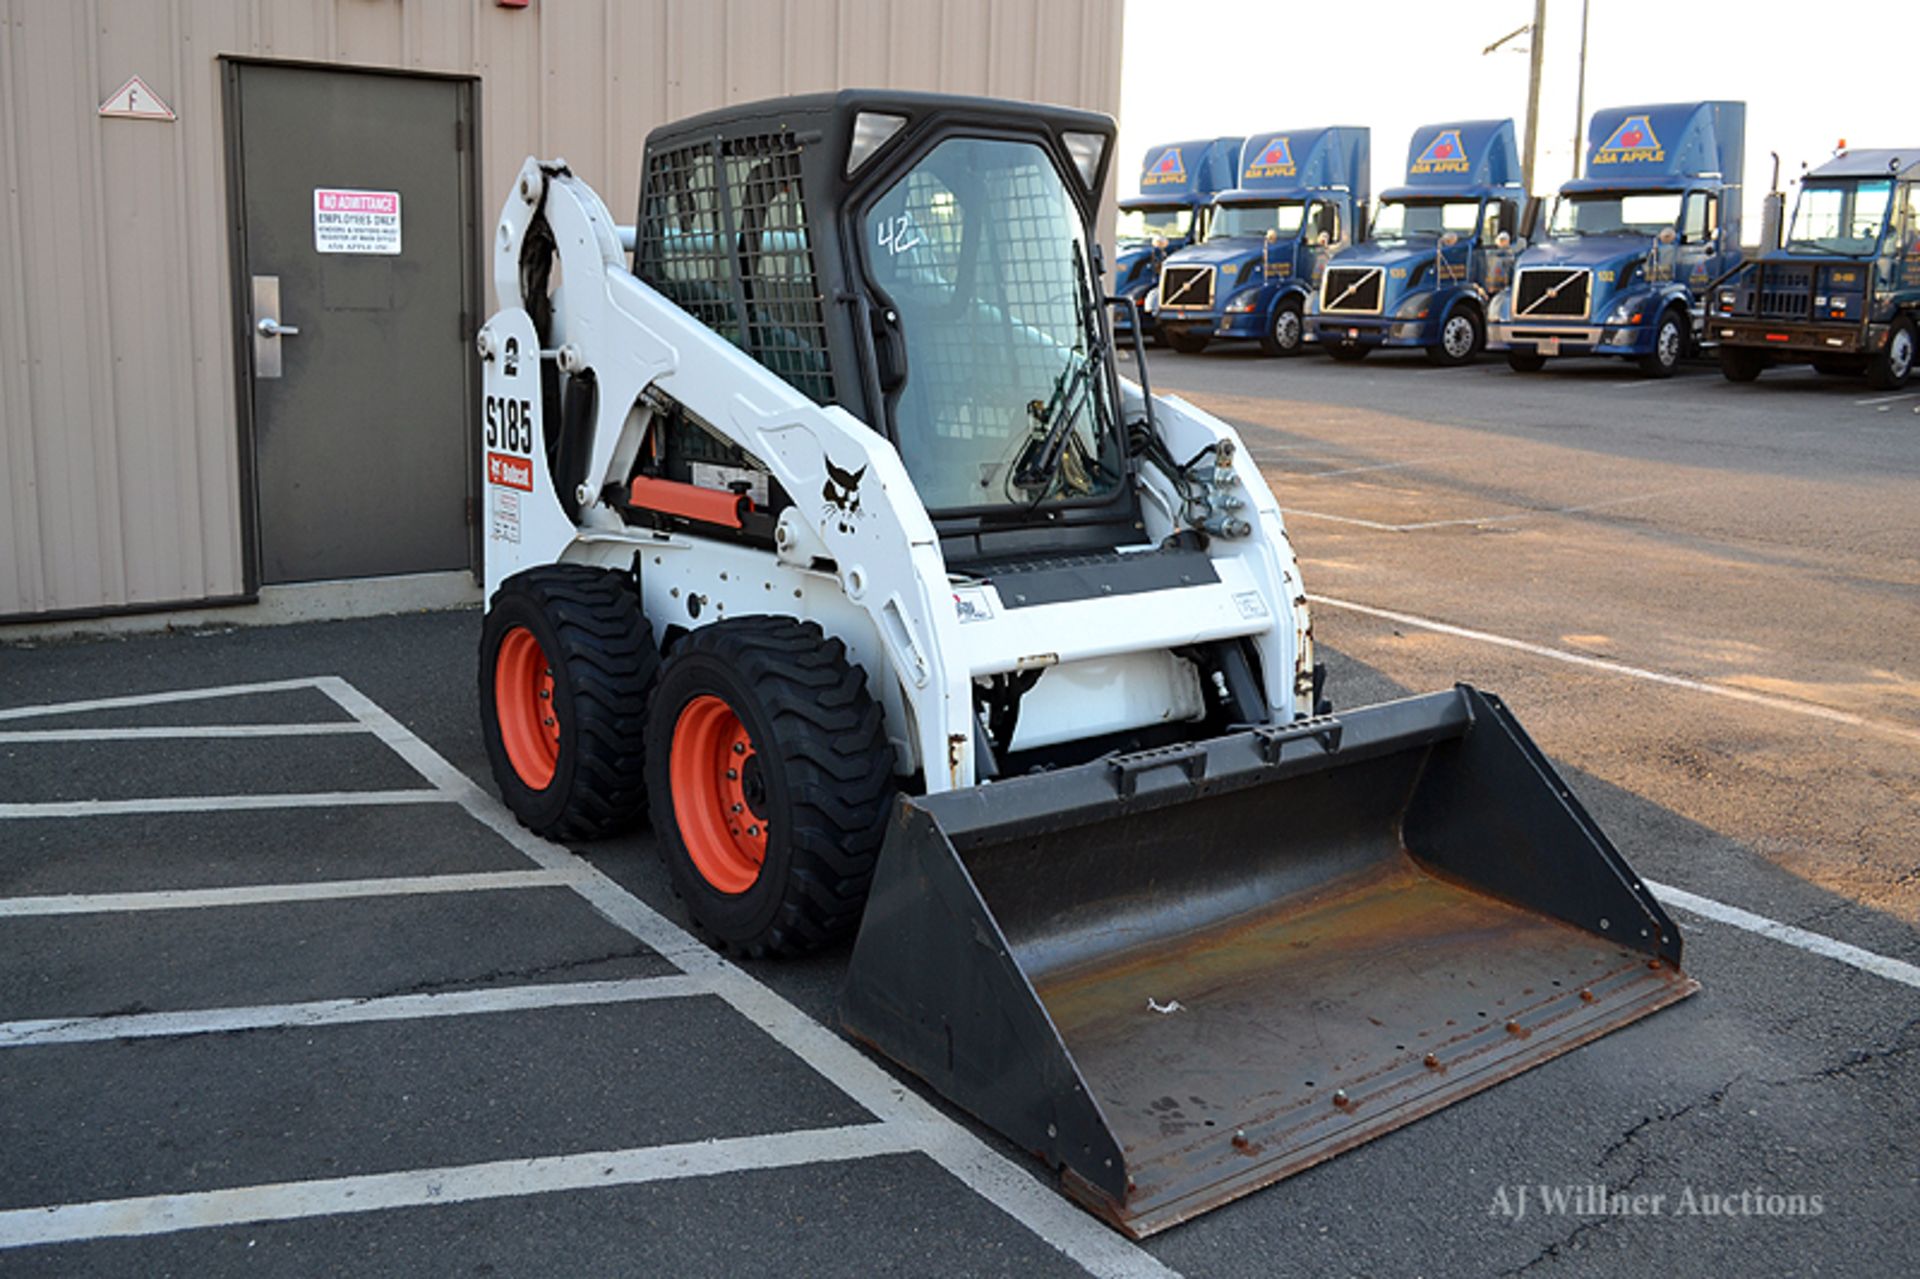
x=1890, y=368
x=1185, y=343
x=1348, y=352
x=1285, y=329
x=1742, y=364
x=1526, y=361
x=598, y=653
x=817, y=773
x=1669, y=345
x=1462, y=335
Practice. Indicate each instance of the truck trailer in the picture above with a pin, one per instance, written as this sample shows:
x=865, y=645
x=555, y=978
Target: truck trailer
x=1439, y=248
x=1177, y=183
x=1633, y=248
x=1843, y=292
x=1302, y=195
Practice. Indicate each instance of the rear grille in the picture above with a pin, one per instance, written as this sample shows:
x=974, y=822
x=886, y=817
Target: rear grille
x=1182, y=287
x=1786, y=292
x=1354, y=289
x=1551, y=293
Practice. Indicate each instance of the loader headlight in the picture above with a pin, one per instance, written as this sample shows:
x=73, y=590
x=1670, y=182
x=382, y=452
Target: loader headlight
x=1243, y=301
x=871, y=129
x=1086, y=150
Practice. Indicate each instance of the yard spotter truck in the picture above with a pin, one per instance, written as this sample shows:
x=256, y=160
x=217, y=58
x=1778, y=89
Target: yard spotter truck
x=827, y=532
x=1302, y=195
x=1843, y=291
x=1633, y=249
x=1177, y=181
x=1438, y=249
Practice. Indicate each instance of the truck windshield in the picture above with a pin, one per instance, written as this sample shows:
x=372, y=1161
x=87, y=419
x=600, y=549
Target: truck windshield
x=1405, y=219
x=1230, y=220
x=982, y=255
x=1614, y=213
x=1173, y=221
x=1840, y=218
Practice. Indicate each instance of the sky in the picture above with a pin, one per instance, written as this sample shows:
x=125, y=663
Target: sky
x=1190, y=70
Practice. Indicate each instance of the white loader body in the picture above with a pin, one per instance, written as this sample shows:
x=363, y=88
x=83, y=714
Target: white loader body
x=864, y=561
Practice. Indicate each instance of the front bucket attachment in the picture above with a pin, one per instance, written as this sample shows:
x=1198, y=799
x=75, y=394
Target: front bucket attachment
x=1184, y=974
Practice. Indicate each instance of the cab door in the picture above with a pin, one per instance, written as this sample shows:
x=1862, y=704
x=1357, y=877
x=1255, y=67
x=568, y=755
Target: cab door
x=1699, y=249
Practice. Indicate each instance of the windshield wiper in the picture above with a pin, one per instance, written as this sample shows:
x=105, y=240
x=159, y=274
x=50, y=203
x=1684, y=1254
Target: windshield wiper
x=1039, y=463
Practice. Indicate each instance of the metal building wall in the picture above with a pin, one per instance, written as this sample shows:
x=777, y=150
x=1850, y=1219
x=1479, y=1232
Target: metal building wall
x=117, y=417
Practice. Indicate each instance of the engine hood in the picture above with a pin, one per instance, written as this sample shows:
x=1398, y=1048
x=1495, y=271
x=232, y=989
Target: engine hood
x=1595, y=251
x=1396, y=253
x=1230, y=252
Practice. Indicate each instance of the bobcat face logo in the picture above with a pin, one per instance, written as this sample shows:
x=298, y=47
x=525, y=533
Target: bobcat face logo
x=842, y=494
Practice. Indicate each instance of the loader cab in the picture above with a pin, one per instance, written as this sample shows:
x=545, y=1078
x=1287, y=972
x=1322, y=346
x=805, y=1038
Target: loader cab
x=927, y=263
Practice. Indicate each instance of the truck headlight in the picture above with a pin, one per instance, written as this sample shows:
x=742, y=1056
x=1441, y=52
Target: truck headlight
x=1414, y=306
x=1243, y=301
x=1627, y=311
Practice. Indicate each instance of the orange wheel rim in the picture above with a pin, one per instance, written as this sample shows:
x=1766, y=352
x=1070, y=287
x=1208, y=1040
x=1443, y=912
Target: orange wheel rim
x=719, y=797
x=523, y=703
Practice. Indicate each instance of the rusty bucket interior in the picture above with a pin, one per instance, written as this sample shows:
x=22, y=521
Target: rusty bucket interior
x=1183, y=975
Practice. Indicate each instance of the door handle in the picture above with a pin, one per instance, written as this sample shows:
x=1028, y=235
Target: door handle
x=272, y=328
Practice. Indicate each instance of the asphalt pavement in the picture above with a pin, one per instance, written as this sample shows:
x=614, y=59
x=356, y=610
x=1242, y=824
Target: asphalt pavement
x=351, y=1022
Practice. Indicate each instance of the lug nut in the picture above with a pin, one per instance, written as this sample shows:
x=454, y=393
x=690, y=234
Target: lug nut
x=739, y=748
x=733, y=774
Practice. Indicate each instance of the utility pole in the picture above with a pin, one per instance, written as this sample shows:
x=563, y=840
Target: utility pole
x=1539, y=43
x=1580, y=102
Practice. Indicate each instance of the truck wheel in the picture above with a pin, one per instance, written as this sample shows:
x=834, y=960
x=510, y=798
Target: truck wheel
x=1889, y=370
x=1348, y=352
x=1669, y=346
x=1742, y=364
x=1185, y=343
x=1283, y=330
x=1461, y=337
x=566, y=661
x=772, y=783
x=1526, y=361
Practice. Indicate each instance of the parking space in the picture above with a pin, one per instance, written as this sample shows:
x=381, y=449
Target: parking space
x=308, y=970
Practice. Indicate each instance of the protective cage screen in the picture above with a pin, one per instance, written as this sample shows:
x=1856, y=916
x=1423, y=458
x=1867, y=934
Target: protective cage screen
x=727, y=240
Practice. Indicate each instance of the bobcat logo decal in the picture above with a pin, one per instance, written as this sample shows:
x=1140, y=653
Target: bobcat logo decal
x=842, y=494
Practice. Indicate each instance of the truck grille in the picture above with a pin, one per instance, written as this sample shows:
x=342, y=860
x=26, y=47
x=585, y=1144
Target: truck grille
x=1551, y=293
x=1786, y=292
x=1354, y=289
x=1183, y=287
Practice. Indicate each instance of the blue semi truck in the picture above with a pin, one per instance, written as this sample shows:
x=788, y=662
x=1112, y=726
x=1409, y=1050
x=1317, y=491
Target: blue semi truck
x=1302, y=194
x=1439, y=248
x=1843, y=292
x=1177, y=182
x=1633, y=248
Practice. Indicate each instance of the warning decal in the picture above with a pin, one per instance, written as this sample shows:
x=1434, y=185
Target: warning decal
x=135, y=101
x=356, y=221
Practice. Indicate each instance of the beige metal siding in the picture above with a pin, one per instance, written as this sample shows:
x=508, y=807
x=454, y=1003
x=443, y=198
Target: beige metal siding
x=117, y=383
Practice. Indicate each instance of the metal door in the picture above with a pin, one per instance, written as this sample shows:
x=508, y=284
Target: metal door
x=354, y=258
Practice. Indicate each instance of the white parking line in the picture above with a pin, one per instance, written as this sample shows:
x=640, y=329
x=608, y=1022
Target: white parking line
x=218, y=803
x=1853, y=956
x=1889, y=399
x=1014, y=1190
x=157, y=699
x=174, y=732
x=270, y=894
x=1294, y=511
x=499, y=1179
x=341, y=1012
x=1808, y=709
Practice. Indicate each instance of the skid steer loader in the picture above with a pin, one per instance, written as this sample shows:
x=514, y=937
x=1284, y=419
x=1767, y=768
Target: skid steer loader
x=827, y=531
